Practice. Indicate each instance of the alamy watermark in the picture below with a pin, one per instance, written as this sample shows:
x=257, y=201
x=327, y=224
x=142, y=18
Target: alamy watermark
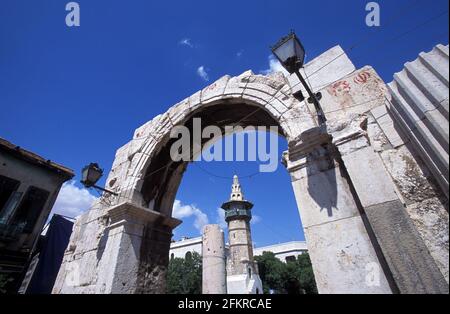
x=73, y=17
x=373, y=18
x=262, y=144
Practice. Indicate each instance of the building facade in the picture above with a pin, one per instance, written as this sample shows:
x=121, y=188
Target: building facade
x=29, y=185
x=284, y=251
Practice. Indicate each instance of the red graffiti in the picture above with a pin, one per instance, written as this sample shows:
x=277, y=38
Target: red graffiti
x=340, y=88
x=362, y=77
x=211, y=87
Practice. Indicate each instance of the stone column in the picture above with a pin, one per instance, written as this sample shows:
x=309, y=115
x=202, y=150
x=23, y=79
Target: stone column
x=214, y=279
x=410, y=263
x=342, y=254
x=136, y=254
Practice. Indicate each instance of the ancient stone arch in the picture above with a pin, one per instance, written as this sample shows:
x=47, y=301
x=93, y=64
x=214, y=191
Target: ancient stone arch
x=248, y=99
x=349, y=204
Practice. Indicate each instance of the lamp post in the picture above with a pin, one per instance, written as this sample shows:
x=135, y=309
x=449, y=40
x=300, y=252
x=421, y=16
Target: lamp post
x=290, y=53
x=90, y=175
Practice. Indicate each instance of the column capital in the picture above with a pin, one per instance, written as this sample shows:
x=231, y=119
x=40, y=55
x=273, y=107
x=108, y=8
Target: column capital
x=130, y=213
x=308, y=141
x=310, y=153
x=349, y=136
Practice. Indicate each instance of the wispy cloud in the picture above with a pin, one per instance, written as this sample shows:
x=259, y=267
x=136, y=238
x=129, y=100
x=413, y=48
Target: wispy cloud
x=255, y=219
x=239, y=53
x=72, y=201
x=274, y=66
x=220, y=219
x=181, y=211
x=186, y=42
x=201, y=71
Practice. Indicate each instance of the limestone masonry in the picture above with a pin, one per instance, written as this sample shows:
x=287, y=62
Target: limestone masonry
x=371, y=185
x=214, y=261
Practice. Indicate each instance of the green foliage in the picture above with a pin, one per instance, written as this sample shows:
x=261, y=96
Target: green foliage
x=184, y=275
x=293, y=277
x=5, y=281
x=271, y=271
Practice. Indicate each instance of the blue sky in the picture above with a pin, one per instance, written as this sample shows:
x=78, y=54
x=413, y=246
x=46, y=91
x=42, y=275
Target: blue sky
x=74, y=95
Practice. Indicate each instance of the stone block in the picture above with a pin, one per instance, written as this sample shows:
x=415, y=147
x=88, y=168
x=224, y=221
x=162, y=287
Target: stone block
x=431, y=221
x=215, y=90
x=195, y=100
x=180, y=111
x=297, y=120
x=369, y=177
x=384, y=120
x=324, y=197
x=328, y=67
x=343, y=258
x=411, y=264
x=410, y=180
x=234, y=88
x=356, y=93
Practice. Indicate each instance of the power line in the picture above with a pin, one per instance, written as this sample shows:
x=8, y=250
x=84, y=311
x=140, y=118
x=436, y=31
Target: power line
x=365, y=39
x=282, y=236
x=225, y=177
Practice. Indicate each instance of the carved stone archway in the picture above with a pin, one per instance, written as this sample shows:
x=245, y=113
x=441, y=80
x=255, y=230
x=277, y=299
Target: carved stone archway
x=347, y=200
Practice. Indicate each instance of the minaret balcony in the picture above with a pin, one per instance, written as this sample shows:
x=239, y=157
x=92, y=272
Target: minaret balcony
x=233, y=214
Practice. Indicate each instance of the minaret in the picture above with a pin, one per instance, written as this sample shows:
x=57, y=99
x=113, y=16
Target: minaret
x=242, y=271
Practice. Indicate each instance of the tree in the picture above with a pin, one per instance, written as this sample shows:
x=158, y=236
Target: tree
x=293, y=277
x=305, y=275
x=184, y=275
x=271, y=272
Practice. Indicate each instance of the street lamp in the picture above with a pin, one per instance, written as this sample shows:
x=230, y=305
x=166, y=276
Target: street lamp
x=291, y=54
x=90, y=174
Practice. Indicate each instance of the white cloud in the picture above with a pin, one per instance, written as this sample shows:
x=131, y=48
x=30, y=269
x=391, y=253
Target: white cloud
x=274, y=66
x=255, y=219
x=181, y=211
x=201, y=71
x=72, y=201
x=221, y=218
x=186, y=42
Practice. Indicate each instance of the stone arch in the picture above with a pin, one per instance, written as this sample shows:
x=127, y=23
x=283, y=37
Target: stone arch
x=148, y=179
x=123, y=242
x=253, y=100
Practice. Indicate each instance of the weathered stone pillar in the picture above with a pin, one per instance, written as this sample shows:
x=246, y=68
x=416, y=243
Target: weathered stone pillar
x=214, y=277
x=342, y=254
x=409, y=261
x=136, y=254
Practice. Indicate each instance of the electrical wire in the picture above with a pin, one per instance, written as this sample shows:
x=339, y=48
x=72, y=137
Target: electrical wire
x=366, y=38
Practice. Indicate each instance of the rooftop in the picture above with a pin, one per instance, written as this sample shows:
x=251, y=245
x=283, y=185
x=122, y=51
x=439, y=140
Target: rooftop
x=34, y=158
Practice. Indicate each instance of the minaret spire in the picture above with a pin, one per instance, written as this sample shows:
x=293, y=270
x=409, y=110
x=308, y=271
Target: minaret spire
x=236, y=191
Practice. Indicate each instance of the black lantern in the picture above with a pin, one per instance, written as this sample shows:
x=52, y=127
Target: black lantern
x=290, y=52
x=90, y=176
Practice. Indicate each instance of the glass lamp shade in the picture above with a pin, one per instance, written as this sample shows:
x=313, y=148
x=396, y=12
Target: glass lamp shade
x=91, y=174
x=290, y=52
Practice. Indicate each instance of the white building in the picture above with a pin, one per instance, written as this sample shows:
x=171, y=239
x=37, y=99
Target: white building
x=283, y=251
